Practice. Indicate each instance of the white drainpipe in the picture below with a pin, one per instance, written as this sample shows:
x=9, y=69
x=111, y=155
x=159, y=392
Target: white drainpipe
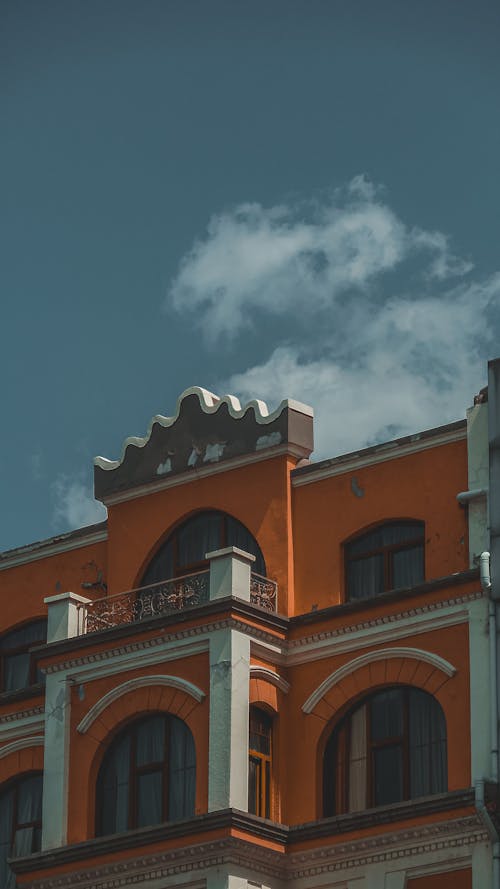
x=484, y=569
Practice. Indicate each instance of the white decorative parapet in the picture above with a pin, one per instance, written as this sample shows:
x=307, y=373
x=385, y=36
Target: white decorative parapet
x=64, y=615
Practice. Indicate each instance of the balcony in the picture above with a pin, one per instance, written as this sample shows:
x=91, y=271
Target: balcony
x=162, y=599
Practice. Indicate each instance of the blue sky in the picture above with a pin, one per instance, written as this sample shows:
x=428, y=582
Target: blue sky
x=268, y=198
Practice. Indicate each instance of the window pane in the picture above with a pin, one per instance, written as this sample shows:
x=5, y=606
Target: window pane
x=161, y=566
x=149, y=799
x=365, y=577
x=428, y=765
x=6, y=814
x=237, y=535
x=388, y=775
x=400, y=532
x=198, y=537
x=16, y=671
x=150, y=741
x=408, y=567
x=114, y=788
x=29, y=800
x=253, y=777
x=29, y=634
x=182, y=771
x=387, y=715
x=357, y=761
x=260, y=731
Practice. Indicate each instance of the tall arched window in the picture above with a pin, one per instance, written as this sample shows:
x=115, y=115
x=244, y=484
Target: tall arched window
x=184, y=551
x=389, y=748
x=389, y=557
x=20, y=822
x=259, y=763
x=17, y=666
x=148, y=776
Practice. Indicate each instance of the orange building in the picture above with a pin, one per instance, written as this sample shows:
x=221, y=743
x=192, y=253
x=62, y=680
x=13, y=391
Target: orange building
x=260, y=671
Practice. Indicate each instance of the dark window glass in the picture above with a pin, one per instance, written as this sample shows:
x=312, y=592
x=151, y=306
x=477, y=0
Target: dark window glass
x=17, y=666
x=185, y=550
x=389, y=557
x=20, y=823
x=389, y=748
x=148, y=776
x=259, y=763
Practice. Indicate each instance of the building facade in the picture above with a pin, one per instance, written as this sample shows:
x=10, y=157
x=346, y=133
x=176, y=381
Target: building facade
x=260, y=672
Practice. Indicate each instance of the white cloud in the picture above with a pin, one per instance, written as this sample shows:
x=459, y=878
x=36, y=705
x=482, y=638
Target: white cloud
x=374, y=358
x=416, y=365
x=285, y=258
x=74, y=504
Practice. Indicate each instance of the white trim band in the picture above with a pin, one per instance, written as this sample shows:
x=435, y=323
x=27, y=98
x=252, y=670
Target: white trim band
x=369, y=658
x=131, y=685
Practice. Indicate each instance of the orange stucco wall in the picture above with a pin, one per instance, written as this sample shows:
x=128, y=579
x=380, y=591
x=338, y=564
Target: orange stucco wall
x=24, y=587
x=419, y=486
x=257, y=495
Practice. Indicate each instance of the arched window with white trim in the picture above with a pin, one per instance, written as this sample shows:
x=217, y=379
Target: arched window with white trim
x=148, y=775
x=388, y=748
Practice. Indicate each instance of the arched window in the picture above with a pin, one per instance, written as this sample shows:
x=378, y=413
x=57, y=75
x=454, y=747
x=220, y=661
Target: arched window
x=184, y=551
x=20, y=822
x=148, y=775
x=17, y=666
x=259, y=763
x=388, y=557
x=389, y=748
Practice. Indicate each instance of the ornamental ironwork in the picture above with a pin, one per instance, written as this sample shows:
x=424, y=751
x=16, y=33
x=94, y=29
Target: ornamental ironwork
x=155, y=600
x=263, y=592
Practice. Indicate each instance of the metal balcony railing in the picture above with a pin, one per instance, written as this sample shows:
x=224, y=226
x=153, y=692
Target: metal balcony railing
x=166, y=597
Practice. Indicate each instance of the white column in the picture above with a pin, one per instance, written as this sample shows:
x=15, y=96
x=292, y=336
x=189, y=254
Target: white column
x=56, y=761
x=482, y=868
x=63, y=620
x=479, y=690
x=230, y=573
x=228, y=736
x=63, y=623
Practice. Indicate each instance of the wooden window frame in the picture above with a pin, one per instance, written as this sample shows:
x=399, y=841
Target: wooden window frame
x=14, y=788
x=264, y=762
x=338, y=769
x=135, y=771
x=387, y=552
x=179, y=570
x=22, y=648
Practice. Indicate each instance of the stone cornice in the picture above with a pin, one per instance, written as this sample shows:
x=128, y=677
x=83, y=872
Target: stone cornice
x=197, y=858
x=54, y=546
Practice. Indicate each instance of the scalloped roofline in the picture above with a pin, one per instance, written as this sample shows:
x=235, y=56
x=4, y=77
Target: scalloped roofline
x=210, y=404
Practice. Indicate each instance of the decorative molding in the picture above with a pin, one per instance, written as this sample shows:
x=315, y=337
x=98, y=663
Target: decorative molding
x=199, y=632
x=210, y=404
x=269, y=676
x=43, y=550
x=390, y=450
x=20, y=744
x=15, y=725
x=370, y=657
x=414, y=844
x=326, y=643
x=138, y=682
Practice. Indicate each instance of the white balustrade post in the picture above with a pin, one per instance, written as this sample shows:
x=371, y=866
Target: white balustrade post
x=230, y=570
x=63, y=615
x=62, y=624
